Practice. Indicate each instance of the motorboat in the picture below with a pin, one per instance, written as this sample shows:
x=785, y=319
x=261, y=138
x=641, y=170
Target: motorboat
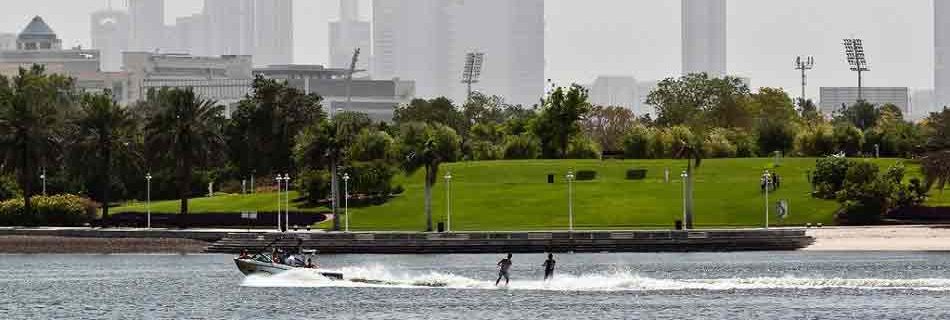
x=263, y=264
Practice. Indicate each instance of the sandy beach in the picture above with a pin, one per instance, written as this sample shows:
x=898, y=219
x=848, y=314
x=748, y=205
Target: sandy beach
x=882, y=238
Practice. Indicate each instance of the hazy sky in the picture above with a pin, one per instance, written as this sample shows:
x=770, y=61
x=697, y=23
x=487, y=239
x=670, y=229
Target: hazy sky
x=586, y=38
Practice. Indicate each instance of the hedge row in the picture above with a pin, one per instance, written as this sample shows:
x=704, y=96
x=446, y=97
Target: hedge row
x=63, y=210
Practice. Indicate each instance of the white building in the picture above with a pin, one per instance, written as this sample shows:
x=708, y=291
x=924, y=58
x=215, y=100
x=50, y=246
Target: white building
x=922, y=103
x=832, y=98
x=427, y=40
x=941, y=53
x=347, y=34
x=643, y=91
x=230, y=27
x=704, y=36
x=110, y=35
x=146, y=24
x=274, y=32
x=7, y=41
x=615, y=91
x=190, y=35
x=225, y=79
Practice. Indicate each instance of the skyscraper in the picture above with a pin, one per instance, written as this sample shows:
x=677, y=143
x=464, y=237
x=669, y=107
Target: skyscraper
x=941, y=53
x=110, y=34
x=427, y=41
x=147, y=24
x=230, y=26
x=348, y=34
x=704, y=36
x=274, y=32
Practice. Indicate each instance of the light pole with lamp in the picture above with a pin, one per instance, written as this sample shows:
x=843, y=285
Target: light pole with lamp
x=448, y=201
x=768, y=184
x=287, y=201
x=148, y=200
x=346, y=199
x=43, y=177
x=280, y=200
x=570, y=200
x=685, y=177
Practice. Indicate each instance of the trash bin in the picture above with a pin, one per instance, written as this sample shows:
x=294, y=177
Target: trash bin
x=441, y=227
x=678, y=224
x=550, y=178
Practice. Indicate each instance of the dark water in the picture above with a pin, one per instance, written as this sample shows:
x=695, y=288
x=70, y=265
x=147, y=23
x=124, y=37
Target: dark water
x=764, y=285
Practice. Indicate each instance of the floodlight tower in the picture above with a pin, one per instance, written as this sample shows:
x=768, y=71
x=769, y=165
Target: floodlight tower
x=854, y=51
x=472, y=71
x=804, y=64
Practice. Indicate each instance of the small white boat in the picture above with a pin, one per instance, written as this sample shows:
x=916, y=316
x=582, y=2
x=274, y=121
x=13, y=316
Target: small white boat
x=261, y=264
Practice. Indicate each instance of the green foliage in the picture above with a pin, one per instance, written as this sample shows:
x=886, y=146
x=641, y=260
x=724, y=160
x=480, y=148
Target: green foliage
x=484, y=150
x=523, y=146
x=607, y=126
x=637, y=142
x=829, y=175
x=314, y=184
x=64, y=210
x=775, y=136
x=863, y=192
x=8, y=188
x=815, y=141
x=862, y=115
x=428, y=146
x=848, y=138
x=435, y=111
x=558, y=122
x=586, y=175
x=717, y=144
x=698, y=100
x=744, y=142
x=582, y=147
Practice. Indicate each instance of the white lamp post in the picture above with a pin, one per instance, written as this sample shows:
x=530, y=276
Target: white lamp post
x=279, y=200
x=43, y=177
x=287, y=202
x=346, y=199
x=148, y=200
x=685, y=177
x=570, y=200
x=768, y=184
x=448, y=201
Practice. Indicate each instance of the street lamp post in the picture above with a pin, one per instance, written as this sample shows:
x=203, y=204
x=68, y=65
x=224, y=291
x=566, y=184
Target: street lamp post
x=43, y=177
x=448, y=201
x=685, y=177
x=287, y=201
x=280, y=201
x=570, y=200
x=148, y=200
x=346, y=199
x=768, y=184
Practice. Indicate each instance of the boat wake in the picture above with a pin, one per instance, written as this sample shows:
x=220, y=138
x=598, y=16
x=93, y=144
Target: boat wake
x=378, y=276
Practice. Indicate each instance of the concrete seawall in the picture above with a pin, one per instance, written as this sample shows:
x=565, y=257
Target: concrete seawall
x=523, y=242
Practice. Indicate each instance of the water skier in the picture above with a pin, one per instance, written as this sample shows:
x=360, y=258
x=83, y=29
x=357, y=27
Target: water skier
x=503, y=266
x=549, y=267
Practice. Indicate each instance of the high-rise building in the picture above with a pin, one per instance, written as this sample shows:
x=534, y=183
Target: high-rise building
x=615, y=91
x=7, y=41
x=274, y=32
x=146, y=24
x=230, y=26
x=347, y=34
x=427, y=41
x=190, y=35
x=704, y=36
x=941, y=53
x=413, y=41
x=921, y=104
x=110, y=34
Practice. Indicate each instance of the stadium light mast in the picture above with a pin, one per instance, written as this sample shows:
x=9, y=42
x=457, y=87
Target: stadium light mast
x=472, y=71
x=804, y=64
x=854, y=51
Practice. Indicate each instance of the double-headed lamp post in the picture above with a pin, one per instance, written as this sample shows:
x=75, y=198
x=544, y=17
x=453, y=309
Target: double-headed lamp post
x=448, y=201
x=346, y=199
x=43, y=177
x=148, y=200
x=767, y=178
x=570, y=200
x=287, y=201
x=685, y=177
x=280, y=200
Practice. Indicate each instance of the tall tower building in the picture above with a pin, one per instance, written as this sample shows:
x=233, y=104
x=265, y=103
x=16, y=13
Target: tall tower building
x=274, y=32
x=413, y=40
x=704, y=37
x=146, y=24
x=110, y=34
x=941, y=53
x=347, y=34
x=230, y=26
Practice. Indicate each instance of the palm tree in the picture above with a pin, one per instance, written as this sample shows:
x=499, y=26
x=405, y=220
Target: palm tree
x=32, y=107
x=428, y=146
x=692, y=151
x=185, y=129
x=106, y=131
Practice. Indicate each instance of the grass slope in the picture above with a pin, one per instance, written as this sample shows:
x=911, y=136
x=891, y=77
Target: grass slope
x=227, y=203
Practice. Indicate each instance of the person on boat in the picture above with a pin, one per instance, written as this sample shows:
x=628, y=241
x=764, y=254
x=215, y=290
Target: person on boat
x=275, y=257
x=310, y=264
x=244, y=254
x=503, y=266
x=549, y=267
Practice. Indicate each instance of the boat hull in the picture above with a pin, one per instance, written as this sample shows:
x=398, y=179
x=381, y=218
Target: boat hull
x=250, y=266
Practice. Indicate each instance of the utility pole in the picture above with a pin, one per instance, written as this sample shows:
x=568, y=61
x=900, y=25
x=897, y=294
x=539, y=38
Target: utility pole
x=804, y=64
x=472, y=71
x=854, y=51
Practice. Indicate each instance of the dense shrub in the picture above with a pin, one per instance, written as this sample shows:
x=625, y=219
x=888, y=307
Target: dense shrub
x=8, y=188
x=583, y=148
x=662, y=144
x=744, y=142
x=848, y=138
x=485, y=150
x=636, y=143
x=523, y=146
x=586, y=175
x=315, y=185
x=815, y=141
x=829, y=176
x=717, y=144
x=775, y=136
x=64, y=210
x=680, y=136
x=636, y=174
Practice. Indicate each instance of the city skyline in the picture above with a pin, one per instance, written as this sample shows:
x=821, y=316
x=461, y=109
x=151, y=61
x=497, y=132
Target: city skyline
x=641, y=38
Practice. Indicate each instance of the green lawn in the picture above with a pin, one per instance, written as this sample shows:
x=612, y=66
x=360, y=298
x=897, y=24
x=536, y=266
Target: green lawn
x=227, y=203
x=514, y=195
